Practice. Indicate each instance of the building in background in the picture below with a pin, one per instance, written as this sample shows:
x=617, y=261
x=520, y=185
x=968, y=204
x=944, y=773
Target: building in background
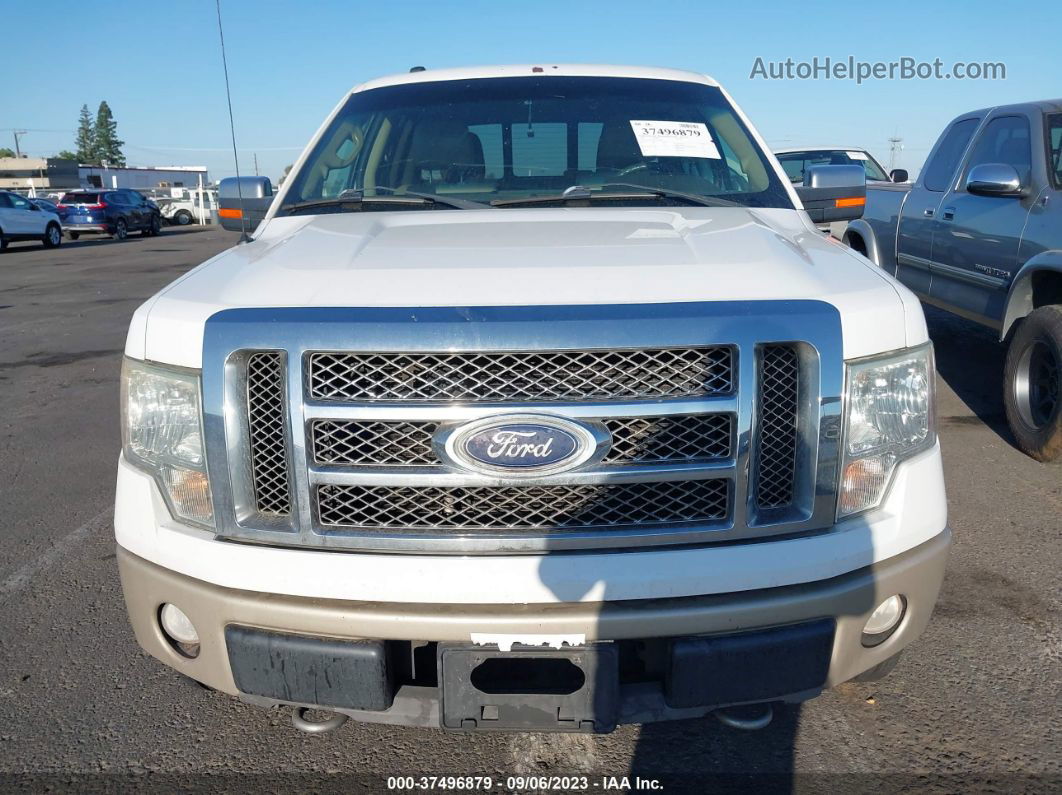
x=143, y=178
x=50, y=174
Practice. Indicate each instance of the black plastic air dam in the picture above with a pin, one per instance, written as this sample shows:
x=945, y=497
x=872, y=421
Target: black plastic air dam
x=749, y=666
x=351, y=674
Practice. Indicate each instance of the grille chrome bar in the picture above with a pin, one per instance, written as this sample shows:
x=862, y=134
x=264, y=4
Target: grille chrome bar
x=522, y=376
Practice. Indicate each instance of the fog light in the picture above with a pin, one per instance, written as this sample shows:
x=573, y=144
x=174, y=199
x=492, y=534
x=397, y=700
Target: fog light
x=179, y=630
x=884, y=620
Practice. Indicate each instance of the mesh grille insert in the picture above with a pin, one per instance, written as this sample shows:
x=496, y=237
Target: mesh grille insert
x=265, y=417
x=634, y=440
x=777, y=436
x=522, y=376
x=522, y=509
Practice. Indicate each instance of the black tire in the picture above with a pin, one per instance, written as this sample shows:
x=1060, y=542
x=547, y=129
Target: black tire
x=182, y=218
x=121, y=230
x=1033, y=384
x=3, y=241
x=155, y=227
x=879, y=671
x=53, y=236
x=74, y=235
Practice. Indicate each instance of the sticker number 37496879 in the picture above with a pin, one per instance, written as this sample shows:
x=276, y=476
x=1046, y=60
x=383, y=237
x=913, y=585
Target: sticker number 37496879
x=674, y=139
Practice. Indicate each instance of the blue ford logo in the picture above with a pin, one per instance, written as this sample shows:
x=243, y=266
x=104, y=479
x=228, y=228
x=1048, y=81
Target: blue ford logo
x=526, y=445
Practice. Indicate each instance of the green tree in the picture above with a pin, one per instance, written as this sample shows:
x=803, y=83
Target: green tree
x=85, y=142
x=5, y=152
x=66, y=154
x=108, y=148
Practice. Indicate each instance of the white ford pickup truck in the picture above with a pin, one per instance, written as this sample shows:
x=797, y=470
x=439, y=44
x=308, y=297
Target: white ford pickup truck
x=534, y=402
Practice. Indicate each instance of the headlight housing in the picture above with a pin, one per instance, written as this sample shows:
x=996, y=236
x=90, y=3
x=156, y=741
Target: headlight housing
x=889, y=406
x=162, y=433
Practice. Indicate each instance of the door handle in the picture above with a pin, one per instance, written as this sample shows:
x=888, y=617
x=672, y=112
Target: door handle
x=949, y=213
x=928, y=212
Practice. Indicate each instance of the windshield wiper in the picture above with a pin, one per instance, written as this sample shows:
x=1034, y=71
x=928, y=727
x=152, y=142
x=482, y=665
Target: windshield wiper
x=579, y=195
x=352, y=200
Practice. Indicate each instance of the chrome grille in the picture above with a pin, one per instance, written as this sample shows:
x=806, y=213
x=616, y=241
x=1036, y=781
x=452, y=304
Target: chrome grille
x=522, y=376
x=777, y=436
x=696, y=437
x=516, y=509
x=265, y=419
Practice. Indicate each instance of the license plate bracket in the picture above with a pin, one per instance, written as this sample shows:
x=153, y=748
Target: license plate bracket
x=526, y=688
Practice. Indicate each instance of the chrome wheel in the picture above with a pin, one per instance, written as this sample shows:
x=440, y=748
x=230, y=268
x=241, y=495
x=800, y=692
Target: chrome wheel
x=1036, y=384
x=120, y=230
x=55, y=237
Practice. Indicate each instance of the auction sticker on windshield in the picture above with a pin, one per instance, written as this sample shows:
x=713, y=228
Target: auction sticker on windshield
x=674, y=139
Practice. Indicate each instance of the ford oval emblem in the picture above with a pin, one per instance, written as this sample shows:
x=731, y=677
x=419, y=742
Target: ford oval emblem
x=524, y=445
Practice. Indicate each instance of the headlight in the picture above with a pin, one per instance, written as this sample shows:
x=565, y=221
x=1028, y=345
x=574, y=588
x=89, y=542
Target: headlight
x=162, y=433
x=889, y=404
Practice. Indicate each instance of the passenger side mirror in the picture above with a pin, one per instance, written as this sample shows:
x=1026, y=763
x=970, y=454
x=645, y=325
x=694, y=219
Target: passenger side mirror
x=834, y=193
x=257, y=195
x=994, y=179
x=899, y=175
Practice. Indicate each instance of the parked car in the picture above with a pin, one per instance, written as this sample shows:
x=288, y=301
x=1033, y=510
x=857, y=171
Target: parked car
x=796, y=162
x=109, y=212
x=45, y=204
x=22, y=219
x=980, y=234
x=534, y=402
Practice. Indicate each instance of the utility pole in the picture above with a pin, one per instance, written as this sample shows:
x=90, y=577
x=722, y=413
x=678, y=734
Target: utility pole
x=18, y=152
x=256, y=164
x=895, y=147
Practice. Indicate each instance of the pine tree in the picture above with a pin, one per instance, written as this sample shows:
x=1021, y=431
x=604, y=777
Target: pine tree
x=105, y=141
x=85, y=141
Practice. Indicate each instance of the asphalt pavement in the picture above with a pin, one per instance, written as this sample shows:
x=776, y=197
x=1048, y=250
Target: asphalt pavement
x=975, y=704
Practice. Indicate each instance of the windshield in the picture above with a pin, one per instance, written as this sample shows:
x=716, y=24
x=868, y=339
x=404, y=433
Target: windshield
x=494, y=139
x=796, y=163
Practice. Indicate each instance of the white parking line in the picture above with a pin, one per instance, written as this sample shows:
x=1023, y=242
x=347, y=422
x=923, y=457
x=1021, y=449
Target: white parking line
x=25, y=574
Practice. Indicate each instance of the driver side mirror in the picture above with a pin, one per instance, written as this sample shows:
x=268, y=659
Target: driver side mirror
x=834, y=193
x=994, y=179
x=899, y=175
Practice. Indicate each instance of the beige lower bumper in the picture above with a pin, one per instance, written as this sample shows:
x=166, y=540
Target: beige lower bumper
x=850, y=599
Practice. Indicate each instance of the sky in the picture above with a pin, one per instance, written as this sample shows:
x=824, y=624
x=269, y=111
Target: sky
x=158, y=65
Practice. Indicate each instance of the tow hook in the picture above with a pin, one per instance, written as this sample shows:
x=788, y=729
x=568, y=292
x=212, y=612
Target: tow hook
x=298, y=720
x=746, y=724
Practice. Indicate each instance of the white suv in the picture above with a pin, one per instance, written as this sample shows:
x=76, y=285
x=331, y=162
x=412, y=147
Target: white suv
x=21, y=219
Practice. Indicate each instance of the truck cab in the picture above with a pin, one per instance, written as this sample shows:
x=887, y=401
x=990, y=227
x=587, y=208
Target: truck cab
x=535, y=401
x=979, y=234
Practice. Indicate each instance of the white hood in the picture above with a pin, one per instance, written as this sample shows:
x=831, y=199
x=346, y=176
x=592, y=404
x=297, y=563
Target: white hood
x=530, y=256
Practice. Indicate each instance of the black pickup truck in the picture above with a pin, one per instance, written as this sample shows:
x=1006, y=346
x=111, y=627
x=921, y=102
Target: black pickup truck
x=980, y=234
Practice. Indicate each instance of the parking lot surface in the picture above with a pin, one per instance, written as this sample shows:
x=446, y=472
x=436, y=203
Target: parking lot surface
x=973, y=705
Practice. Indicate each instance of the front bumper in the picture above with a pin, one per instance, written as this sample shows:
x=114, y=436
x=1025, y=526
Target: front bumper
x=405, y=630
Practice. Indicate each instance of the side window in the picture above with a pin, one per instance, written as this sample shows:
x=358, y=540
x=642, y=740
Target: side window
x=1054, y=142
x=5, y=203
x=941, y=168
x=1005, y=140
x=115, y=198
x=18, y=202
